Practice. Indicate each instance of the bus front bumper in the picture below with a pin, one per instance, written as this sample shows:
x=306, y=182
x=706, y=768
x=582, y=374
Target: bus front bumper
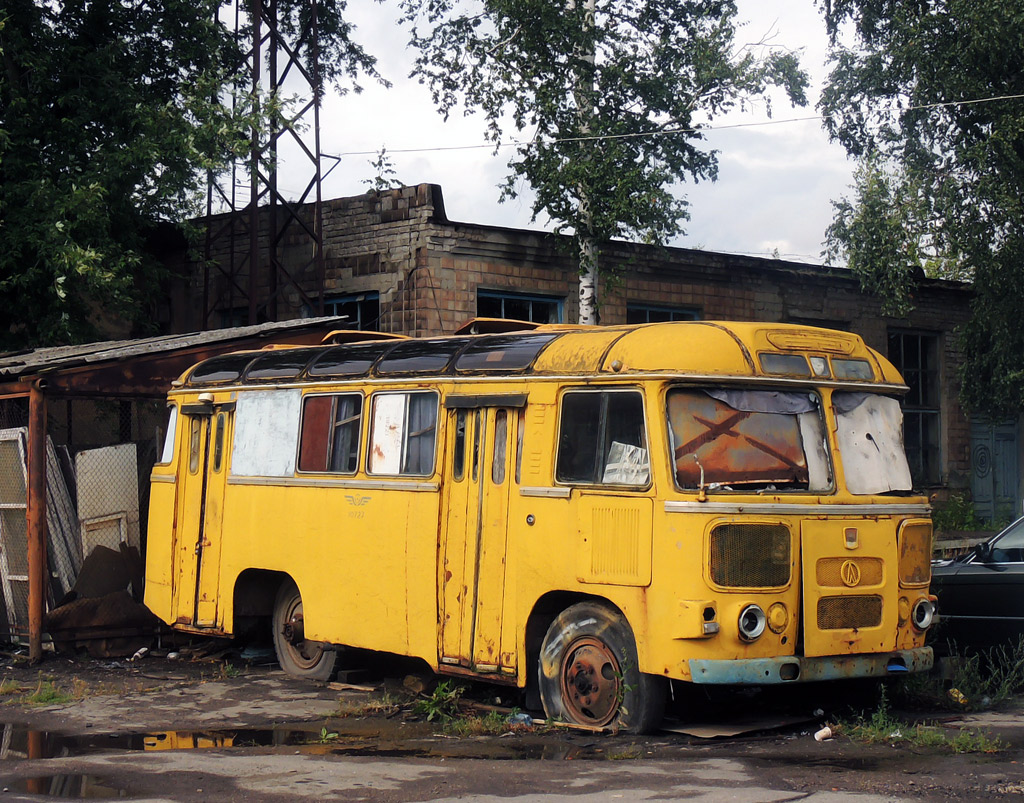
x=796, y=669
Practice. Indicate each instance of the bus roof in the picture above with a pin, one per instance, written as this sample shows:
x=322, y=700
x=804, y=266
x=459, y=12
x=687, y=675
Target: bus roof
x=713, y=349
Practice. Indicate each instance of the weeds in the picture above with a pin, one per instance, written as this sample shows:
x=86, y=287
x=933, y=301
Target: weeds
x=326, y=735
x=229, y=670
x=883, y=726
x=442, y=704
x=46, y=693
x=9, y=686
x=977, y=681
x=386, y=705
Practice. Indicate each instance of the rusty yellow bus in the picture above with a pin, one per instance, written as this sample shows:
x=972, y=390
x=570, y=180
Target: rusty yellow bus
x=590, y=513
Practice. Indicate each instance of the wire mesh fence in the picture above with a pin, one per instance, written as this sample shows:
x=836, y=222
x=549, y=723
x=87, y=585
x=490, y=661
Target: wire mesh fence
x=99, y=454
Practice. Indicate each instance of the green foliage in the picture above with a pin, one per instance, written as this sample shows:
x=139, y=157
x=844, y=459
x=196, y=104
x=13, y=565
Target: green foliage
x=883, y=726
x=110, y=116
x=957, y=513
x=442, y=704
x=47, y=693
x=610, y=98
x=905, y=97
x=385, y=176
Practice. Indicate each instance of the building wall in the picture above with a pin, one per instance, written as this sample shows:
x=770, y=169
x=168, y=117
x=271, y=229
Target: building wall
x=428, y=272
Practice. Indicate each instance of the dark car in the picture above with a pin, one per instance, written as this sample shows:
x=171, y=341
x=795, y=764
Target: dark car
x=981, y=594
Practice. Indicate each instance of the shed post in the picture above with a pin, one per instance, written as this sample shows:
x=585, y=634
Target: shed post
x=36, y=514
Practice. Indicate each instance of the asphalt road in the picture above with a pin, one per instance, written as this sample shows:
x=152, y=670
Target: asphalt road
x=155, y=730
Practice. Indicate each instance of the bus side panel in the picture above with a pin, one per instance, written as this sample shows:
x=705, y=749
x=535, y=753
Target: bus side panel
x=352, y=552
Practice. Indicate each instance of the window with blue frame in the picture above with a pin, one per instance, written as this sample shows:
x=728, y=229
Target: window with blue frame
x=519, y=306
x=644, y=313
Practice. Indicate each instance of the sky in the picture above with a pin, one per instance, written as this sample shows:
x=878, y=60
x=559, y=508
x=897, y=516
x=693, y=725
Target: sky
x=775, y=185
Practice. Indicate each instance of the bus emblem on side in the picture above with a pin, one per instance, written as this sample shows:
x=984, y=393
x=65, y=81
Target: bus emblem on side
x=850, y=573
x=357, y=501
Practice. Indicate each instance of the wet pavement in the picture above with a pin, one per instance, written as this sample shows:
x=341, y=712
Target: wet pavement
x=157, y=731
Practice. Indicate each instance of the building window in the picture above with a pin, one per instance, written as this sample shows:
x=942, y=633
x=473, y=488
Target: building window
x=519, y=307
x=916, y=356
x=641, y=313
x=362, y=309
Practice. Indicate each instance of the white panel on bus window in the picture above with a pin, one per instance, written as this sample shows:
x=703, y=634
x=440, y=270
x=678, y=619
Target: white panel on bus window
x=172, y=426
x=870, y=433
x=387, y=434
x=266, y=433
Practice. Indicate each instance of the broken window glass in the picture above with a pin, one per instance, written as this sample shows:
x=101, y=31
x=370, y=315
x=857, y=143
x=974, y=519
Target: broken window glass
x=602, y=439
x=747, y=439
x=869, y=428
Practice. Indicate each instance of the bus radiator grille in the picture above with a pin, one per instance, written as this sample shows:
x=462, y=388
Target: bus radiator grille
x=844, y=613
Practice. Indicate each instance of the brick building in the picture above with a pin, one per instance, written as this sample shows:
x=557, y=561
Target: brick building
x=395, y=262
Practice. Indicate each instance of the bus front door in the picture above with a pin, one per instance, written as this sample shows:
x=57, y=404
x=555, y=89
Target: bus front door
x=471, y=575
x=204, y=469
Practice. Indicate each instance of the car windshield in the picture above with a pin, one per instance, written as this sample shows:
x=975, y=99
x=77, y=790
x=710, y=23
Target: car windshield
x=869, y=428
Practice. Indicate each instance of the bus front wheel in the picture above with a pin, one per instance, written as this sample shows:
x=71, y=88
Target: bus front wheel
x=589, y=675
x=312, y=660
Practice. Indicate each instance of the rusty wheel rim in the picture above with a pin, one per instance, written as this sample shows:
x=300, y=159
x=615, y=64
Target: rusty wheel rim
x=591, y=682
x=305, y=654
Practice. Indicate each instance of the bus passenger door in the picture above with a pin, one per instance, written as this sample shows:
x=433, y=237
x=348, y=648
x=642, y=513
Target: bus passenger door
x=472, y=571
x=204, y=470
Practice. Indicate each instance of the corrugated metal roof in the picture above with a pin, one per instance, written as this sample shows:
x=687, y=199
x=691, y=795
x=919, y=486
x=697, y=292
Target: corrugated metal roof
x=14, y=365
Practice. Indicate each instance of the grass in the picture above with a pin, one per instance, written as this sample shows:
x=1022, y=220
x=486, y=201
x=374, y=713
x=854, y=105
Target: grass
x=386, y=705
x=977, y=681
x=882, y=726
x=47, y=693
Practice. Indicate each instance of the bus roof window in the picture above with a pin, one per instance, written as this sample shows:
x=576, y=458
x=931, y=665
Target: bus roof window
x=420, y=356
x=503, y=353
x=785, y=364
x=348, y=360
x=226, y=368
x=283, y=364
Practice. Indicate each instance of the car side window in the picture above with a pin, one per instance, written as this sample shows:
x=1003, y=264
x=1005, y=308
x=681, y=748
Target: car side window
x=1009, y=547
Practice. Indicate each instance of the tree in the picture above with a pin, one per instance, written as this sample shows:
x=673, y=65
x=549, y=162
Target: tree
x=110, y=114
x=928, y=92
x=610, y=92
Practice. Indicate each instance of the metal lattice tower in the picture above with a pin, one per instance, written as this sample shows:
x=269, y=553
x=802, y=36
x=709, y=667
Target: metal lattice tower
x=251, y=220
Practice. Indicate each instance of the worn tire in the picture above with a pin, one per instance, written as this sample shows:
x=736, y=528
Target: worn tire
x=589, y=674
x=312, y=660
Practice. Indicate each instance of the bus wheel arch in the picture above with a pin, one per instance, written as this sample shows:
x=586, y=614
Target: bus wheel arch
x=299, y=657
x=588, y=672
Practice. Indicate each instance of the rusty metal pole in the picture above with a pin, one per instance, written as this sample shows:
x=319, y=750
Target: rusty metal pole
x=36, y=514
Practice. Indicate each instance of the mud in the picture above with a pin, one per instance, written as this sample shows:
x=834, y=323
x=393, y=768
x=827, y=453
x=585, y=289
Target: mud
x=226, y=730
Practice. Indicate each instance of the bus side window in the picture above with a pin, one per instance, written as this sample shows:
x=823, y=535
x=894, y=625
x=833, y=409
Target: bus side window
x=459, y=455
x=602, y=439
x=167, y=453
x=403, y=434
x=329, y=439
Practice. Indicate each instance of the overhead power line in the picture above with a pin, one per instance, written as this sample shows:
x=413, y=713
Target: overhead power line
x=514, y=143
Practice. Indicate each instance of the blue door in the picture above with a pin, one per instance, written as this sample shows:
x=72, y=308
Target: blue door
x=994, y=469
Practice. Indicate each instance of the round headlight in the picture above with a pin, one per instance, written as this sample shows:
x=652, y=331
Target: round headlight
x=923, y=614
x=752, y=622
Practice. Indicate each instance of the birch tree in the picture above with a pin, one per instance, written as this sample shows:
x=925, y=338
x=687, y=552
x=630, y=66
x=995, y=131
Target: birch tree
x=610, y=97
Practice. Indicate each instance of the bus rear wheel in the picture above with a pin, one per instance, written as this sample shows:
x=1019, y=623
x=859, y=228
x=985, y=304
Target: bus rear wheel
x=312, y=660
x=588, y=672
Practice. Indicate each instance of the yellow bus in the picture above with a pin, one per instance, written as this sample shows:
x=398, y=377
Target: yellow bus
x=590, y=513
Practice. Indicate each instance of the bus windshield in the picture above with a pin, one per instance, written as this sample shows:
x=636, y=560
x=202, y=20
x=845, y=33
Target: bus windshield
x=727, y=439
x=869, y=429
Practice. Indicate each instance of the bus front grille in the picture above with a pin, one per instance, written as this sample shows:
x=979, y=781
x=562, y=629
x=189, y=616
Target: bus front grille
x=843, y=613
x=750, y=555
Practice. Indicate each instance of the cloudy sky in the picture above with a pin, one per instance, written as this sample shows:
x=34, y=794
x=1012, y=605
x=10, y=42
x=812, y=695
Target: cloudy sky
x=775, y=185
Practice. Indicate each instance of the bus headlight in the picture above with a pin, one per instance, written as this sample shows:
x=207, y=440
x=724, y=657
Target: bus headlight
x=752, y=622
x=923, y=614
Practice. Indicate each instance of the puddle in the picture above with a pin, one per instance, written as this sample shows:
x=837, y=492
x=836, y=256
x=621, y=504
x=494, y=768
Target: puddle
x=79, y=787
x=356, y=738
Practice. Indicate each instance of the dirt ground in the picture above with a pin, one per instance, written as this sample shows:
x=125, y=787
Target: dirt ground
x=234, y=727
